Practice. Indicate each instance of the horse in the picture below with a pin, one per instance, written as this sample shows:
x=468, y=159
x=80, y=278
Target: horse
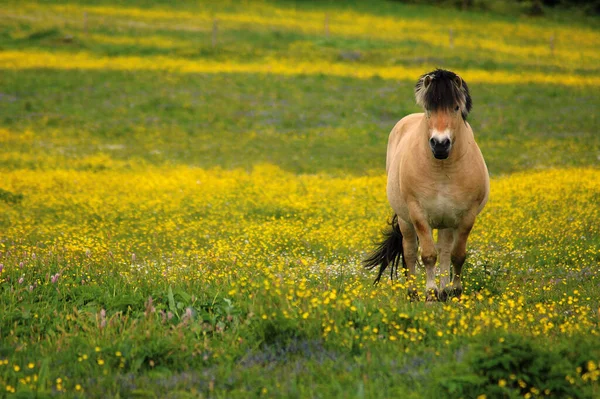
x=436, y=179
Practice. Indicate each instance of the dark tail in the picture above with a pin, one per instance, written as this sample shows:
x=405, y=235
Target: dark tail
x=388, y=252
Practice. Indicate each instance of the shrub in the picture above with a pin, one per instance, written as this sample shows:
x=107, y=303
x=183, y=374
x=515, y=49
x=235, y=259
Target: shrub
x=513, y=366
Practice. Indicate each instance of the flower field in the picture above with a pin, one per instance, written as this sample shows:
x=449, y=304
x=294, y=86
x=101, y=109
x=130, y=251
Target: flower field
x=184, y=209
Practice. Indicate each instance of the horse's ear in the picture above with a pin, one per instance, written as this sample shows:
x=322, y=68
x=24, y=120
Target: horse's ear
x=458, y=81
x=427, y=81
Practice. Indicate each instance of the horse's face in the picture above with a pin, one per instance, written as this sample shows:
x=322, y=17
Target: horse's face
x=442, y=126
x=446, y=100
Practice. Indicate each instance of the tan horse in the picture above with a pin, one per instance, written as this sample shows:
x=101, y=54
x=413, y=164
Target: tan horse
x=437, y=179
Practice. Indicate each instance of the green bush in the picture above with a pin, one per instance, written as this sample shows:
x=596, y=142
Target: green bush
x=514, y=366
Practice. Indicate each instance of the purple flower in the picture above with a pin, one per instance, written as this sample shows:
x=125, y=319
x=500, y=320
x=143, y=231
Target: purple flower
x=188, y=315
x=1, y=267
x=20, y=265
x=21, y=280
x=102, y=318
x=149, y=307
x=55, y=278
x=30, y=288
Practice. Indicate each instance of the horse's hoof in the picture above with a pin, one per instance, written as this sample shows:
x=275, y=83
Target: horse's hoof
x=432, y=295
x=456, y=292
x=449, y=292
x=444, y=294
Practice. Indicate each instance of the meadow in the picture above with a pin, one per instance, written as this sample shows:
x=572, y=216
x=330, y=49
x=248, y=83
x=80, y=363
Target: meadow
x=187, y=192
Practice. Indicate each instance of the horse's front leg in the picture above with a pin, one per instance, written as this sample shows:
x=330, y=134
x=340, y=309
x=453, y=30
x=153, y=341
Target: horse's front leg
x=444, y=246
x=410, y=247
x=428, y=251
x=459, y=253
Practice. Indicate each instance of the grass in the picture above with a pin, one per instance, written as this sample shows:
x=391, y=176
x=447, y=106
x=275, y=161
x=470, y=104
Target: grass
x=186, y=220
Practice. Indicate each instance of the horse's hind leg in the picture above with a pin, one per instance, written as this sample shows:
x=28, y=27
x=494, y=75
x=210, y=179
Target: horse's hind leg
x=410, y=247
x=444, y=246
x=459, y=254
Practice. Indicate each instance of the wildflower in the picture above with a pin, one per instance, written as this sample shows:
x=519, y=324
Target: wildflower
x=102, y=318
x=188, y=315
x=55, y=278
x=149, y=307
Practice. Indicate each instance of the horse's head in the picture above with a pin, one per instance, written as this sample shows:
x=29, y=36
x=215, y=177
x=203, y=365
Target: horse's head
x=446, y=100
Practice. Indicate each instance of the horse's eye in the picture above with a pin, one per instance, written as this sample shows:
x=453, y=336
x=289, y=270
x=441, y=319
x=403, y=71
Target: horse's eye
x=456, y=108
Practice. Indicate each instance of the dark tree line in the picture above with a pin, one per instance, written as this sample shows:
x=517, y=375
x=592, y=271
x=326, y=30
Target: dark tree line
x=533, y=7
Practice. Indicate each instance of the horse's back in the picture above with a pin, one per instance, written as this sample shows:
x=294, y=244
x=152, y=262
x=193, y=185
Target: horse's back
x=404, y=125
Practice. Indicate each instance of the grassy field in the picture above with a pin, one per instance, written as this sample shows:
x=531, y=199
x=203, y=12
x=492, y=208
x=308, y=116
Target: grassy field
x=187, y=191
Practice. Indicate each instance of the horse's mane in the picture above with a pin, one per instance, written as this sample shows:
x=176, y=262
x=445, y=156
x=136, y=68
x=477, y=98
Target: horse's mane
x=443, y=90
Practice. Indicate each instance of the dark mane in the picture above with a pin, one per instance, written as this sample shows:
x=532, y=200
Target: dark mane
x=443, y=90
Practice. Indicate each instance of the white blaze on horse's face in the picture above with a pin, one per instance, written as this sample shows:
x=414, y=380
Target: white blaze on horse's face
x=442, y=126
x=445, y=98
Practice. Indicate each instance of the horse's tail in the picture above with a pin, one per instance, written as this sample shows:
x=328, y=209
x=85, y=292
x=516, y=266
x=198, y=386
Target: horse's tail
x=388, y=252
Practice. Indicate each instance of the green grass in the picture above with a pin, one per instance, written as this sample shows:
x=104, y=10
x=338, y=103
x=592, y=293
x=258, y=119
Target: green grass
x=226, y=197
x=305, y=124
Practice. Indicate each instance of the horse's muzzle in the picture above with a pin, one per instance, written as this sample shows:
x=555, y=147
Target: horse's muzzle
x=440, y=148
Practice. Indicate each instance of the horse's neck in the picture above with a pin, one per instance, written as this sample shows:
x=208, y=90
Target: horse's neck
x=463, y=141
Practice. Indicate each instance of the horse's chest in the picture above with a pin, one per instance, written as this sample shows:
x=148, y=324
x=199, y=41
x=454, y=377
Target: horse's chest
x=442, y=210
